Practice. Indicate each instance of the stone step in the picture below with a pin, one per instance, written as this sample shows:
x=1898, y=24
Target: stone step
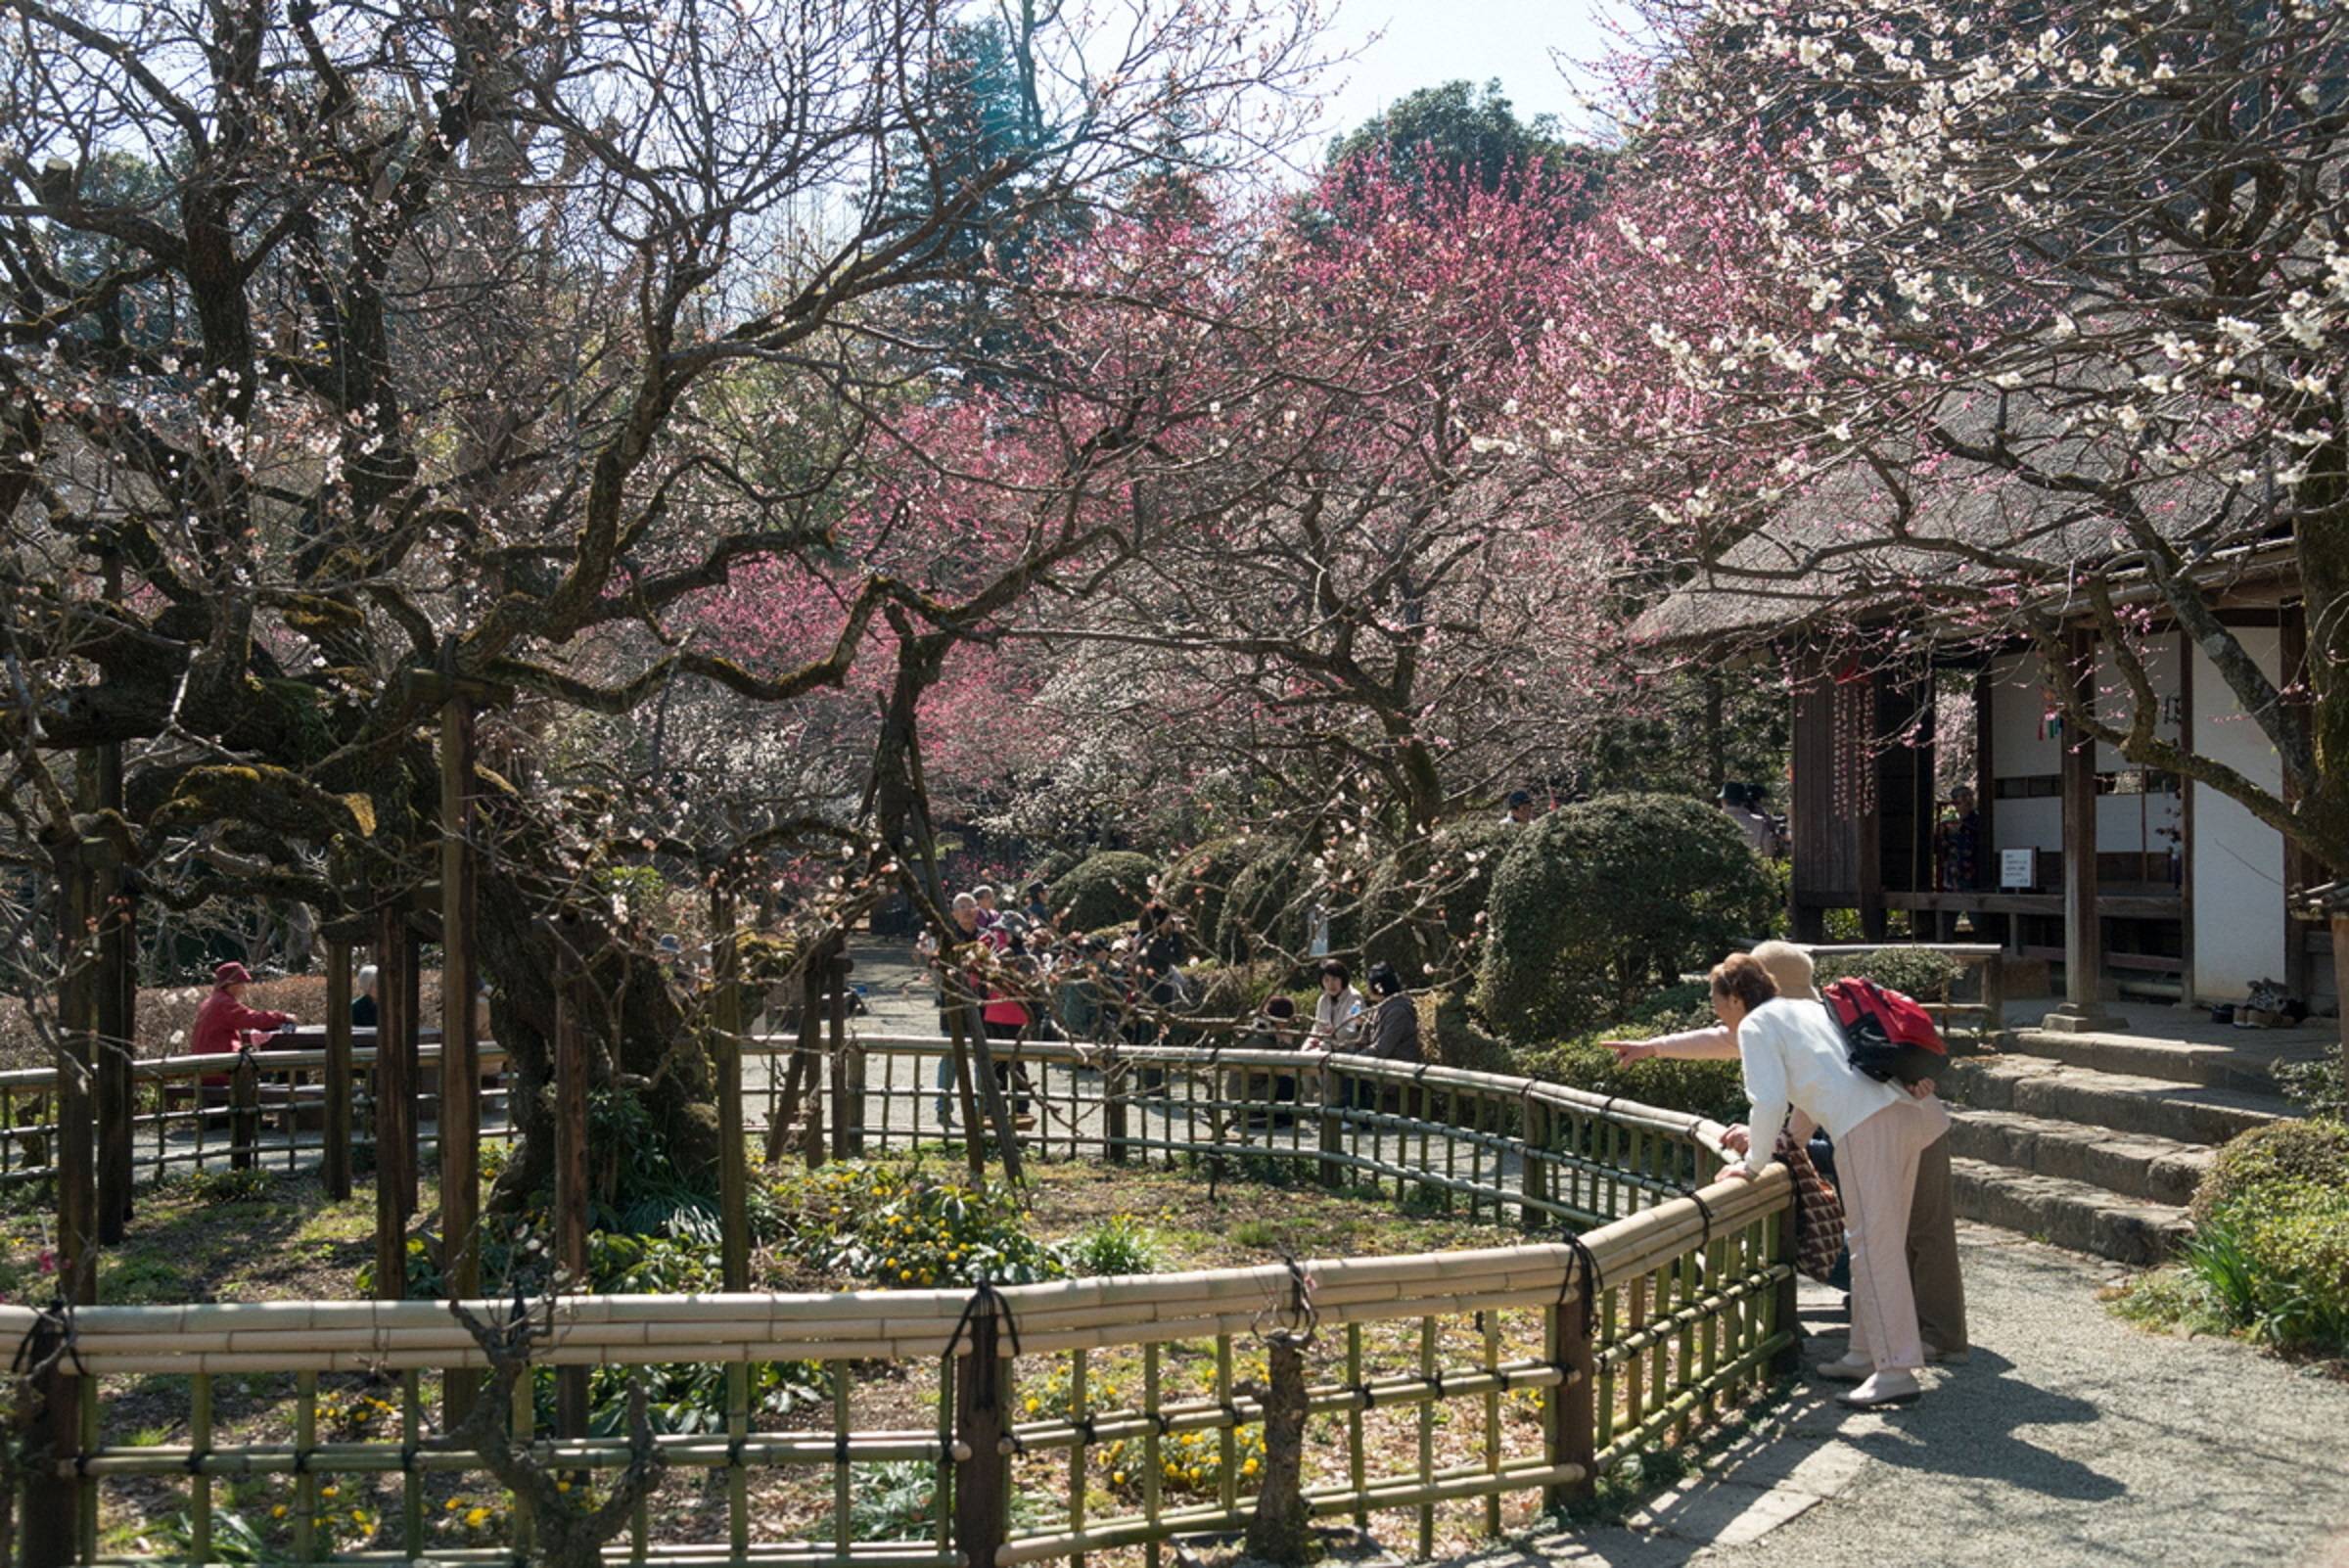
x=2069, y=1213
x=2247, y=1066
x=2123, y=1102
x=2129, y=1164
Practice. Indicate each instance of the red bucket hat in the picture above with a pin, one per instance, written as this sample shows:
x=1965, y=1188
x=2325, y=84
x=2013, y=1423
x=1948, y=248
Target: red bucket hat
x=232, y=973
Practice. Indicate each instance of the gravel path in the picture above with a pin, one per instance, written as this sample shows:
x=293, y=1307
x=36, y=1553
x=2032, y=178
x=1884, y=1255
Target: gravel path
x=2070, y=1439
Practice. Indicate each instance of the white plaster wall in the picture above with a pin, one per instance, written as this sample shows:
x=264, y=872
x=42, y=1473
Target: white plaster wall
x=2132, y=824
x=2238, y=860
x=2017, y=701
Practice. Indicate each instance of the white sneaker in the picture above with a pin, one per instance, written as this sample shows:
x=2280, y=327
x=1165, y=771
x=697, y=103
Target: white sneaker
x=1846, y=1369
x=1883, y=1389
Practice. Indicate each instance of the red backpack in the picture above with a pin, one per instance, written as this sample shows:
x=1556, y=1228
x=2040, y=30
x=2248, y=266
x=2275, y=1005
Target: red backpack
x=1888, y=1035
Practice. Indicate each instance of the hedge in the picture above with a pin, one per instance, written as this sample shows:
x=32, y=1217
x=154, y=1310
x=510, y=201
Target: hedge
x=1104, y=889
x=1427, y=900
x=1911, y=971
x=1198, y=882
x=2315, y=1152
x=1598, y=903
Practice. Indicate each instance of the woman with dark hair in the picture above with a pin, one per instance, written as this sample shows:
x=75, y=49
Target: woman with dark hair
x=1394, y=1018
x=1338, y=1013
x=1796, y=1058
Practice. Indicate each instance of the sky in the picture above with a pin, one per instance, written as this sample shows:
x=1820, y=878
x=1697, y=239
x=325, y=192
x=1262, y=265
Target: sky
x=1421, y=43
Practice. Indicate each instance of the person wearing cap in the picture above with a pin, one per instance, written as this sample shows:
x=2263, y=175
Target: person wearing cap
x=1795, y=1057
x=225, y=1025
x=1520, y=808
x=1934, y=1275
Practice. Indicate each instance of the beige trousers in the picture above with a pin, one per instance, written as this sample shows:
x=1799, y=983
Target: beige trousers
x=1933, y=1253
x=1878, y=1164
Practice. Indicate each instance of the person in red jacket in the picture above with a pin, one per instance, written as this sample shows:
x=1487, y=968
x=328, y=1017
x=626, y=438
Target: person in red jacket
x=224, y=1024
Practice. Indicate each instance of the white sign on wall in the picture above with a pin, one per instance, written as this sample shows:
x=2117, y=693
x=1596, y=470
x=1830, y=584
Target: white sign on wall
x=2018, y=869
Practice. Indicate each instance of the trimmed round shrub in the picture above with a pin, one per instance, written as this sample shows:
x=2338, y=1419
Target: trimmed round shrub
x=1199, y=880
x=1422, y=903
x=1271, y=906
x=1906, y=970
x=1598, y=904
x=2280, y=1153
x=1104, y=889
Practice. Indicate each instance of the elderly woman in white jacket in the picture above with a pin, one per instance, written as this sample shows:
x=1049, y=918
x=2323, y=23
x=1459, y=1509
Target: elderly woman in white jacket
x=1796, y=1058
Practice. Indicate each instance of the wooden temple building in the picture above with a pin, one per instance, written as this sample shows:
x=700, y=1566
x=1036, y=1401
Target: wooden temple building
x=2127, y=880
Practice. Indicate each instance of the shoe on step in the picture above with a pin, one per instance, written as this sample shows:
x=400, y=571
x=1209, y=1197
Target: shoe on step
x=1883, y=1389
x=1845, y=1369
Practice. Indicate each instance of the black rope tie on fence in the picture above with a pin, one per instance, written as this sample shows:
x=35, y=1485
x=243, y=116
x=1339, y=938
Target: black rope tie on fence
x=839, y=1447
x=1592, y=1281
x=984, y=1297
x=51, y=1323
x=1084, y=1429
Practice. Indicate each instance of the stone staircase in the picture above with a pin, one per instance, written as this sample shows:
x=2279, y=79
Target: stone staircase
x=2095, y=1142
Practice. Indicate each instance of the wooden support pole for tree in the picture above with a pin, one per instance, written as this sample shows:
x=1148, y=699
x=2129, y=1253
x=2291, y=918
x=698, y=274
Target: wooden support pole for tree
x=571, y=1164
x=460, y=1137
x=809, y=1068
x=118, y=1003
x=339, y=1089
x=76, y=1025
x=733, y=1169
x=53, y=1505
x=981, y=1421
x=848, y=1126
x=395, y=1105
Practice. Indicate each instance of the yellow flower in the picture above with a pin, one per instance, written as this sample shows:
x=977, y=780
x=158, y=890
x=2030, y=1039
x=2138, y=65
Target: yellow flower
x=562, y=1485
x=1117, y=1477
x=1249, y=1468
x=330, y=1492
x=454, y=1503
x=476, y=1517
x=1033, y=1404
x=278, y=1512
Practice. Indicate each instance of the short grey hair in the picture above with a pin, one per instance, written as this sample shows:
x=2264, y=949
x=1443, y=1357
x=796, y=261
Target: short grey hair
x=966, y=900
x=982, y=890
x=367, y=978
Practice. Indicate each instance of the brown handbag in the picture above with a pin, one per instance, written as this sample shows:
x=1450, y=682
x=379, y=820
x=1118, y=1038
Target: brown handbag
x=1817, y=1213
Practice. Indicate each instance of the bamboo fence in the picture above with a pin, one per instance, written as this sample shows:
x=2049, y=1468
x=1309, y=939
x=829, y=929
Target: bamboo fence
x=1637, y=1299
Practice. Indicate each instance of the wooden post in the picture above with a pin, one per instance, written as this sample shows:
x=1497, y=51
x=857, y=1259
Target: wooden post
x=570, y=1165
x=244, y=1113
x=1333, y=1124
x=395, y=1105
x=1570, y=1411
x=1114, y=1103
x=733, y=1168
x=1786, y=1314
x=2083, y=1007
x=981, y=1421
x=75, y=1156
x=339, y=1089
x=1534, y=1173
x=460, y=1137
